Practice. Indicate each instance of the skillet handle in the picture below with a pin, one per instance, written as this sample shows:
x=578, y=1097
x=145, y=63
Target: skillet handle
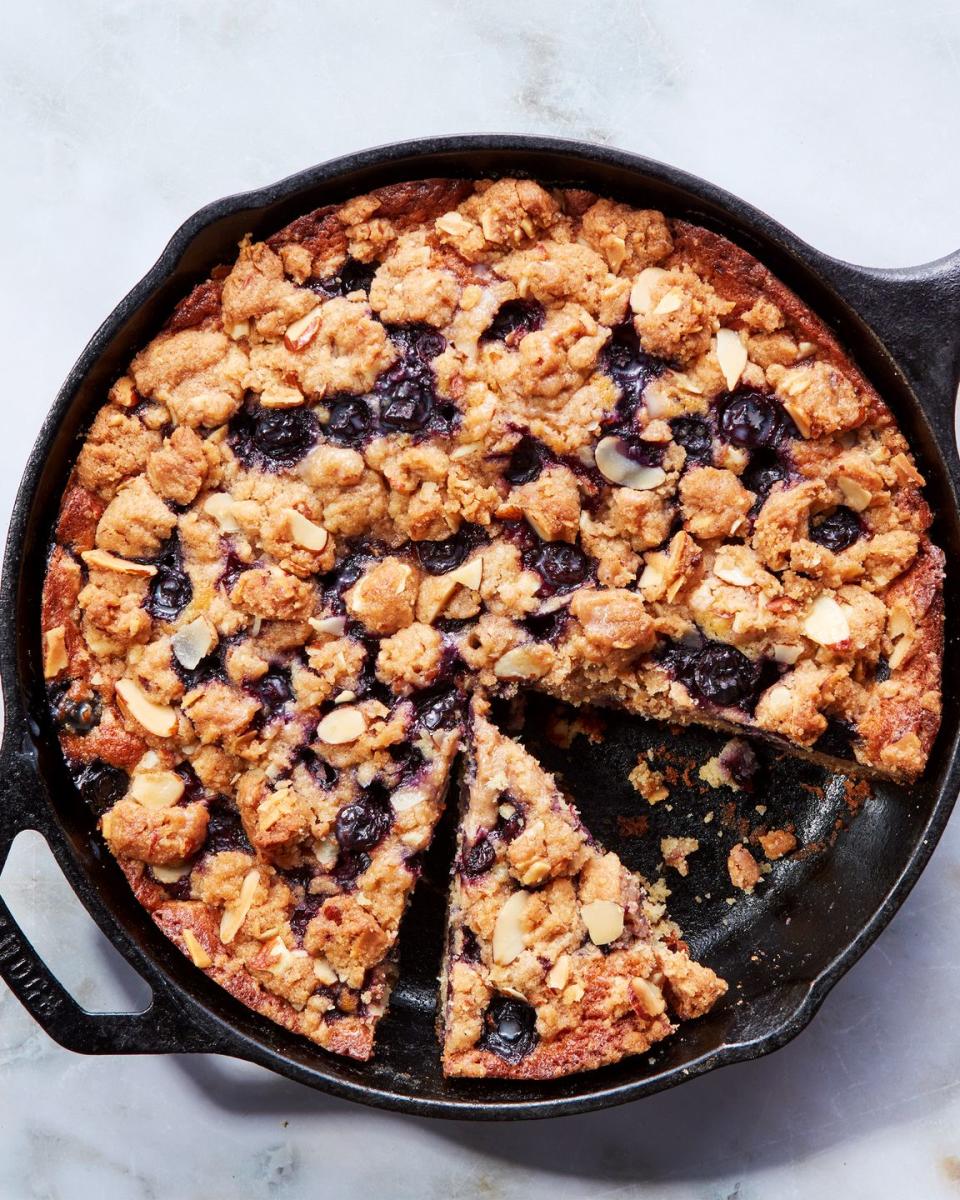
x=915, y=311
x=164, y=1027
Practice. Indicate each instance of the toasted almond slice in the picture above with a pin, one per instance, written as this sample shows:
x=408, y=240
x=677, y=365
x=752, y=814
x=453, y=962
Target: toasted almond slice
x=899, y=621
x=574, y=993
x=110, y=562
x=194, y=642
x=304, y=531
x=731, y=573
x=324, y=972
x=641, y=301
x=509, y=938
x=406, y=798
x=157, y=789
x=826, y=622
x=341, y=726
x=277, y=395
x=335, y=626
x=798, y=416
x=469, y=574
x=235, y=914
x=553, y=604
x=535, y=873
x=522, y=662
x=197, y=953
x=670, y=302
x=781, y=652
x=301, y=333
x=171, y=873
x=856, y=496
x=559, y=974
x=452, y=223
x=55, y=657
x=219, y=505
x=158, y=719
x=604, y=921
x=901, y=651
x=649, y=996
x=732, y=356
x=614, y=465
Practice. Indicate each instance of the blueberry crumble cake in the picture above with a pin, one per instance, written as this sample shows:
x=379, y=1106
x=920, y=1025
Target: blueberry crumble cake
x=559, y=959
x=447, y=440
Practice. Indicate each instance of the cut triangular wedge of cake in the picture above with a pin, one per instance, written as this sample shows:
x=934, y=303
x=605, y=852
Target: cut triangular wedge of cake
x=558, y=958
x=295, y=900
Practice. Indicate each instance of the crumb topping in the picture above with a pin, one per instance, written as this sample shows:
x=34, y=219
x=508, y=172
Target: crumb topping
x=458, y=437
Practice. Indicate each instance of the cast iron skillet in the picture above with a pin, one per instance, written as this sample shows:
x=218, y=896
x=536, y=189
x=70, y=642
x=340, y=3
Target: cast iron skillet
x=785, y=948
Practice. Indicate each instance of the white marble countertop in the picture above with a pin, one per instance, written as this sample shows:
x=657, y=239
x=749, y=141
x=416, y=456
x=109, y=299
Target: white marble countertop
x=118, y=119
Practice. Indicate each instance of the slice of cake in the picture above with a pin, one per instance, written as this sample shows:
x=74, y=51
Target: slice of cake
x=558, y=958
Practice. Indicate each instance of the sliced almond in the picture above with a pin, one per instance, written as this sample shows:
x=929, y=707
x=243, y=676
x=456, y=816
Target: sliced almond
x=301, y=333
x=669, y=303
x=899, y=621
x=324, y=972
x=235, y=914
x=345, y=697
x=730, y=573
x=219, y=505
x=641, y=300
x=335, y=626
x=856, y=496
x=798, y=416
x=732, y=356
x=158, y=719
x=157, y=789
x=406, y=798
x=240, y=329
x=648, y=996
x=826, y=622
x=535, y=873
x=902, y=650
x=522, y=662
x=55, y=657
x=781, y=652
x=278, y=395
x=197, y=953
x=559, y=974
x=453, y=223
x=171, y=872
x=553, y=604
x=110, y=562
x=509, y=938
x=469, y=574
x=574, y=993
x=615, y=465
x=604, y=921
x=341, y=726
x=194, y=642
x=305, y=532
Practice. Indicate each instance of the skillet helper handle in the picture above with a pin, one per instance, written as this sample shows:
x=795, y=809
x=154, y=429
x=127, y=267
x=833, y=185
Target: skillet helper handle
x=164, y=1027
x=915, y=311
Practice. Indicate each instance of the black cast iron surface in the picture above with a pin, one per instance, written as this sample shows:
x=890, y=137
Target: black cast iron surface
x=782, y=949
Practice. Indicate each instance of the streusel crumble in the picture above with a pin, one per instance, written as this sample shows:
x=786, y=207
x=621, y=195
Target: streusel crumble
x=458, y=438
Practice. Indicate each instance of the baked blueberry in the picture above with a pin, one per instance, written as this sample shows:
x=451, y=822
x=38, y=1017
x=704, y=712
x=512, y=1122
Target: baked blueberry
x=527, y=460
x=695, y=435
x=225, y=829
x=509, y=1029
x=562, y=564
x=353, y=276
x=630, y=368
x=439, y=709
x=764, y=471
x=750, y=419
x=170, y=589
x=837, y=530
x=350, y=422
x=102, y=785
x=272, y=437
x=406, y=393
x=79, y=716
x=513, y=321
x=723, y=675
x=479, y=858
x=437, y=558
x=365, y=823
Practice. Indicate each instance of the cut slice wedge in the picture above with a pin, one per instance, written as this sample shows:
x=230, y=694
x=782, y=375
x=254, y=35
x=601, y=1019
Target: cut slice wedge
x=559, y=959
